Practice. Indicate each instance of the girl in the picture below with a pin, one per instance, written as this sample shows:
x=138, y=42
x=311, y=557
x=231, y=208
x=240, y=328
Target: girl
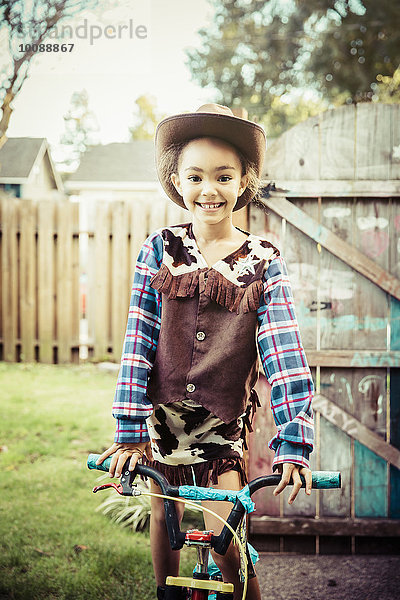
x=208, y=300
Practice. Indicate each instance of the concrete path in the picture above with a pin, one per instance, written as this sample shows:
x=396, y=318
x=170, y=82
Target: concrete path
x=288, y=577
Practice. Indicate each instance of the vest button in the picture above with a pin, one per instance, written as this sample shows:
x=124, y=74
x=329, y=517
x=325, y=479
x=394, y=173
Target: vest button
x=201, y=336
x=190, y=387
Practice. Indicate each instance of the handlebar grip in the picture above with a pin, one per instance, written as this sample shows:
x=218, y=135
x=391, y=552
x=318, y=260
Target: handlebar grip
x=324, y=480
x=104, y=466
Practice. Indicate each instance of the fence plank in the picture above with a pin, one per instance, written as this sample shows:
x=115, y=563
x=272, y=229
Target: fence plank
x=101, y=289
x=395, y=440
x=324, y=526
x=372, y=359
x=46, y=286
x=158, y=215
x=370, y=480
x=75, y=273
x=261, y=457
x=295, y=152
x=337, y=143
x=9, y=269
x=119, y=276
x=336, y=282
x=335, y=456
x=28, y=259
x=371, y=304
x=373, y=147
x=302, y=259
x=138, y=227
x=64, y=281
x=395, y=143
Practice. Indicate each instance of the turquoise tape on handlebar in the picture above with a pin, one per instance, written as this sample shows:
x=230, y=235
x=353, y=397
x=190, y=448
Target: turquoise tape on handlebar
x=199, y=493
x=325, y=480
x=104, y=466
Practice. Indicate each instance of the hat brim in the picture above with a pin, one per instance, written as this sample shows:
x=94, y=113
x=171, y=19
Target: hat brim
x=248, y=137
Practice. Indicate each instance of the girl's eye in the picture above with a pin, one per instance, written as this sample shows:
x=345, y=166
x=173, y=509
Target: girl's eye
x=222, y=178
x=196, y=178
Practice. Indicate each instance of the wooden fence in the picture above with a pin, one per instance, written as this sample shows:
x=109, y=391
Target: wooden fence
x=66, y=274
x=119, y=230
x=39, y=281
x=54, y=275
x=336, y=220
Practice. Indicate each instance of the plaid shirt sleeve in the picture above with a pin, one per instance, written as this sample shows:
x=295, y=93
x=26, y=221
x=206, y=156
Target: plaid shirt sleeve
x=285, y=366
x=131, y=406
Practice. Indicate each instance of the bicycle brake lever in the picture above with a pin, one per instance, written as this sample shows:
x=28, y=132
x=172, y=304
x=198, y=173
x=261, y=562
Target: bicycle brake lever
x=124, y=487
x=118, y=487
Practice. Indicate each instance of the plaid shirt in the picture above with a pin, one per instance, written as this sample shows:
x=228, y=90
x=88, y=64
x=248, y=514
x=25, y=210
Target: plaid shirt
x=279, y=346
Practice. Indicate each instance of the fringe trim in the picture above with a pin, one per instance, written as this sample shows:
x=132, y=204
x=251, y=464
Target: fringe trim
x=234, y=298
x=205, y=473
x=249, y=416
x=175, y=286
x=218, y=288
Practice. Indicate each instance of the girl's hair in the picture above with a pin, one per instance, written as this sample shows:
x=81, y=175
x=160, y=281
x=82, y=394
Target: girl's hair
x=168, y=163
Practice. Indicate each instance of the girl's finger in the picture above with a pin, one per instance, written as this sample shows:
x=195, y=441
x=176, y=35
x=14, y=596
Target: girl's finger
x=114, y=461
x=123, y=457
x=308, y=478
x=285, y=480
x=105, y=455
x=296, y=485
x=132, y=463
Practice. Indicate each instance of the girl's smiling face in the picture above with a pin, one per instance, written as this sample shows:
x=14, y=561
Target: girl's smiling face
x=209, y=178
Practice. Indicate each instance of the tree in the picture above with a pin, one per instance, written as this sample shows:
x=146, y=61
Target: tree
x=388, y=88
x=257, y=51
x=359, y=44
x=285, y=112
x=147, y=117
x=28, y=23
x=80, y=131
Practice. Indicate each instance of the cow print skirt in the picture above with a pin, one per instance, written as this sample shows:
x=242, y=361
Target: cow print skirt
x=191, y=446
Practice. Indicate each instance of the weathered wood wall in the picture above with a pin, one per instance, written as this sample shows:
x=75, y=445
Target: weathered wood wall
x=343, y=255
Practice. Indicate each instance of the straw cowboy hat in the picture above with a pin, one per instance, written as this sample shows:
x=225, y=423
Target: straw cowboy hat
x=213, y=120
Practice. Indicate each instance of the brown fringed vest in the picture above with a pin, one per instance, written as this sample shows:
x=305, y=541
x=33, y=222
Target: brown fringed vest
x=207, y=347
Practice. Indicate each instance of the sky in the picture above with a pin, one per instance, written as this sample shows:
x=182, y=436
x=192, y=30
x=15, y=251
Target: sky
x=115, y=70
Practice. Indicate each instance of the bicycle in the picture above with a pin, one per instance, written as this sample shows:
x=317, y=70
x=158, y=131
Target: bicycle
x=199, y=585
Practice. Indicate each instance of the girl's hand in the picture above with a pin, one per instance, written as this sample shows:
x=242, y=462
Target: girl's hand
x=120, y=454
x=291, y=471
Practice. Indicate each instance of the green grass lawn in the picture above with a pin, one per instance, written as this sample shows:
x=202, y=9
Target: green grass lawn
x=51, y=417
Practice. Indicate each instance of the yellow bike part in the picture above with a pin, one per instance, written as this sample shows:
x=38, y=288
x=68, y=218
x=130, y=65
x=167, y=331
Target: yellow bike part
x=201, y=584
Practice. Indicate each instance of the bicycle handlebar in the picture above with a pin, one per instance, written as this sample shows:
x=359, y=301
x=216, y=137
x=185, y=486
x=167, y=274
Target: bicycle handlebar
x=321, y=480
x=242, y=499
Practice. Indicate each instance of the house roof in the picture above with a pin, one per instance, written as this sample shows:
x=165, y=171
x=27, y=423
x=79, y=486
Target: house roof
x=19, y=155
x=129, y=161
